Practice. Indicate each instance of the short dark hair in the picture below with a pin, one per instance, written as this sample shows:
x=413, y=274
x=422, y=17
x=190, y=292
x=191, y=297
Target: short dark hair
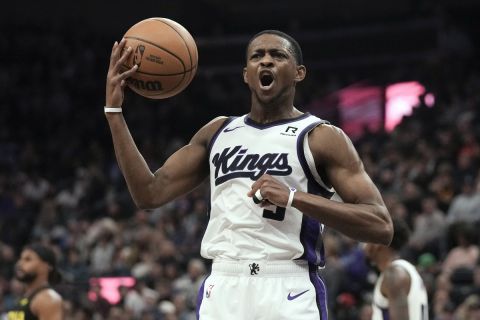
x=401, y=234
x=294, y=46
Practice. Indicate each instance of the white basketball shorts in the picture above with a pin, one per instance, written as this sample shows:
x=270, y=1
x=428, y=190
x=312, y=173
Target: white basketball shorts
x=259, y=290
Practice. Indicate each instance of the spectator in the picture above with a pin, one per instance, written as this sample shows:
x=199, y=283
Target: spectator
x=465, y=253
x=190, y=283
x=428, y=227
x=465, y=206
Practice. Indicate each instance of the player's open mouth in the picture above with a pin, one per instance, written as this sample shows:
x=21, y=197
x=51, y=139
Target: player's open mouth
x=266, y=80
x=19, y=272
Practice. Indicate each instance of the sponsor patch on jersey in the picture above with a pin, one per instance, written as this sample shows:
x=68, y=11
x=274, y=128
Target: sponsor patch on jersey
x=290, y=131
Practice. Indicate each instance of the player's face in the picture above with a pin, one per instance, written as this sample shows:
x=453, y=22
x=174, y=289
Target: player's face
x=28, y=266
x=271, y=71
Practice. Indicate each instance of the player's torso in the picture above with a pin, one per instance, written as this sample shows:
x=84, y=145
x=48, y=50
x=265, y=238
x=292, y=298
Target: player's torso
x=241, y=152
x=417, y=296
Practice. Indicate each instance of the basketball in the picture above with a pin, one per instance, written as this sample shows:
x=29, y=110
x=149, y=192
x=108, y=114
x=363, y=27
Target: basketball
x=166, y=55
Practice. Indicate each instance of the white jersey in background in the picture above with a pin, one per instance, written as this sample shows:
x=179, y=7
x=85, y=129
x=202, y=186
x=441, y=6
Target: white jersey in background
x=417, y=296
x=238, y=229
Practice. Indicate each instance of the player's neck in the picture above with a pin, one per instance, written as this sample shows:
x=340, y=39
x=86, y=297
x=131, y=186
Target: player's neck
x=37, y=283
x=278, y=108
x=269, y=112
x=268, y=116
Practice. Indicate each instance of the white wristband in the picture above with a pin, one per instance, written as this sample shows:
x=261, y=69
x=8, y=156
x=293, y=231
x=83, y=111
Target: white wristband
x=110, y=109
x=290, y=197
x=257, y=197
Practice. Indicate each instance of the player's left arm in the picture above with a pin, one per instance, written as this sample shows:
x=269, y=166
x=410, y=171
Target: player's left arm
x=47, y=305
x=395, y=287
x=362, y=215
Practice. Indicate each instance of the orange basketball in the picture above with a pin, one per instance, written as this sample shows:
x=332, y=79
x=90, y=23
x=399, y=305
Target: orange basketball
x=166, y=55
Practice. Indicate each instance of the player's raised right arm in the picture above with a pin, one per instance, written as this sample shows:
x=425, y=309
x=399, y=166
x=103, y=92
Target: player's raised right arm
x=182, y=172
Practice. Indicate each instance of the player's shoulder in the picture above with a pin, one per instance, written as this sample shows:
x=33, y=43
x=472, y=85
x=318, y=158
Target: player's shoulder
x=395, y=282
x=218, y=120
x=330, y=143
x=48, y=294
x=205, y=134
x=326, y=131
x=216, y=124
x=395, y=275
x=47, y=298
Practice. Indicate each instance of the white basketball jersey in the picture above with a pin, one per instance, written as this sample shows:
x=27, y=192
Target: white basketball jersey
x=417, y=296
x=240, y=153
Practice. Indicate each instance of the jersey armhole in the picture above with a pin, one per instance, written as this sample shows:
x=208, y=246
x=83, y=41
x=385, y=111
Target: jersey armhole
x=217, y=133
x=311, y=163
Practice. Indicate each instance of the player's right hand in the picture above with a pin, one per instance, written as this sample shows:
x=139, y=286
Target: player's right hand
x=271, y=191
x=115, y=77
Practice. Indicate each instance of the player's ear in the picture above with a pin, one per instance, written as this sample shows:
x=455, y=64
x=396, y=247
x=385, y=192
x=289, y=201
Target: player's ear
x=301, y=73
x=245, y=75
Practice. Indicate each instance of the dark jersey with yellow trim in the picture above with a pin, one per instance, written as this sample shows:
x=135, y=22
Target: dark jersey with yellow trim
x=22, y=310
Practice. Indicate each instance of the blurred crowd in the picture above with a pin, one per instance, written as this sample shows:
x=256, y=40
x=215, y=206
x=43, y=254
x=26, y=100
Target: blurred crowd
x=60, y=185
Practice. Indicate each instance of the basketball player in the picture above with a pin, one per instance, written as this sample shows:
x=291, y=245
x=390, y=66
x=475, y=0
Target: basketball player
x=399, y=292
x=36, y=268
x=272, y=172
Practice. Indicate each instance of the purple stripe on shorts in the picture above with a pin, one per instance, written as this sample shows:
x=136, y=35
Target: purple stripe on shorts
x=200, y=297
x=321, y=293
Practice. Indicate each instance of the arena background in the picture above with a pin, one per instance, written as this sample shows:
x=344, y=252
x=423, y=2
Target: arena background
x=59, y=182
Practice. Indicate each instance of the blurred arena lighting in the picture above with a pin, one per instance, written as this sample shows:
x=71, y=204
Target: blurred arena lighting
x=360, y=108
x=401, y=99
x=109, y=287
x=429, y=100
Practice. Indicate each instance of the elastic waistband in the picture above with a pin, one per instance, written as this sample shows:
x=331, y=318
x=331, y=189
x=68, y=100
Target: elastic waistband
x=259, y=268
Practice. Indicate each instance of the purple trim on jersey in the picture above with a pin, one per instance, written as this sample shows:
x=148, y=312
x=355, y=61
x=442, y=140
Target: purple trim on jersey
x=385, y=314
x=320, y=292
x=262, y=126
x=200, y=297
x=309, y=235
x=216, y=134
x=316, y=188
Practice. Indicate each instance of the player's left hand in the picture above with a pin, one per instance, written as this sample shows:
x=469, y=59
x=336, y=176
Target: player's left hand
x=272, y=191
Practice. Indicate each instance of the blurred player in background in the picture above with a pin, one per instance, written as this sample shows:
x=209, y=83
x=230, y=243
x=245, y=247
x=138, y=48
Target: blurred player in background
x=36, y=268
x=266, y=252
x=399, y=292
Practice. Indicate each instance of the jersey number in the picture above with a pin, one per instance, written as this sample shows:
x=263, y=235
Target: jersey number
x=278, y=215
